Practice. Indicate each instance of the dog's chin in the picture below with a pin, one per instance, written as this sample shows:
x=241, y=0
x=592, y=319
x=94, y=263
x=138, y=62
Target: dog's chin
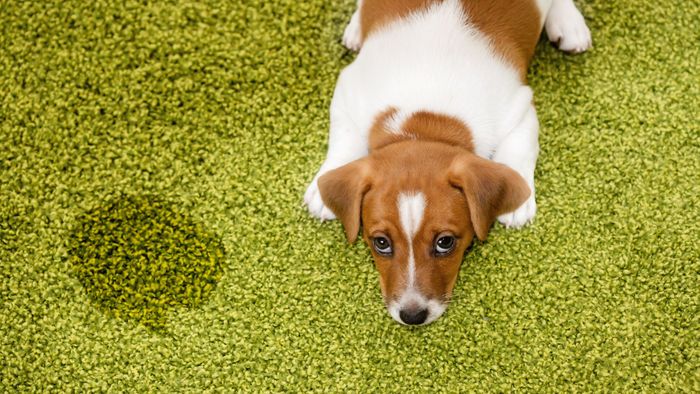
x=435, y=310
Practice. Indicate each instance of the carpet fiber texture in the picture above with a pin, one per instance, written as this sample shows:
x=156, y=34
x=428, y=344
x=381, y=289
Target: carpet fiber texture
x=153, y=156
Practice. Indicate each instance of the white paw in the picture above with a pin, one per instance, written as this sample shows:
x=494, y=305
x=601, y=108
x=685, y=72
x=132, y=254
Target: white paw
x=521, y=216
x=567, y=29
x=314, y=202
x=352, y=37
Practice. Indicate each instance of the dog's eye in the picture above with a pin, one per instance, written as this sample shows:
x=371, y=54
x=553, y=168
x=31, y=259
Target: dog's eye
x=382, y=245
x=444, y=244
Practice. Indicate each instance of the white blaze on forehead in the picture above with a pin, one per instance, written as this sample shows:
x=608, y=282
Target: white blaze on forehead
x=411, y=209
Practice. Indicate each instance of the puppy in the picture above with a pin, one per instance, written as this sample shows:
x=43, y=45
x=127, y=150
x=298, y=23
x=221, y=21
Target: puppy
x=433, y=135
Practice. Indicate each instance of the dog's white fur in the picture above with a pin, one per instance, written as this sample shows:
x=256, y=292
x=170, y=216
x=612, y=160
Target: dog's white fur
x=433, y=61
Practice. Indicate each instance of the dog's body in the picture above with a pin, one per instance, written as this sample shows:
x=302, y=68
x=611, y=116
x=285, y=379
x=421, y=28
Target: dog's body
x=434, y=134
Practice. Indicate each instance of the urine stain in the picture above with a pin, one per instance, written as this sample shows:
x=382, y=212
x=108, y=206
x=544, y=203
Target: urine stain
x=139, y=257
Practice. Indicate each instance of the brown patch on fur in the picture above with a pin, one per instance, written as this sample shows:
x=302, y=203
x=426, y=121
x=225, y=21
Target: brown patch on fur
x=377, y=13
x=421, y=125
x=514, y=26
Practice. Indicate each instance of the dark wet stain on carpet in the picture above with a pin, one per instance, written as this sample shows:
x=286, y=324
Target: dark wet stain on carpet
x=139, y=257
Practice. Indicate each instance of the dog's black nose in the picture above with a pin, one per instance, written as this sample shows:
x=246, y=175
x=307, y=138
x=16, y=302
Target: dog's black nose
x=414, y=316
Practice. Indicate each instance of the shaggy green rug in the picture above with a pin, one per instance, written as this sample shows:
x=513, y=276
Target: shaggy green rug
x=152, y=162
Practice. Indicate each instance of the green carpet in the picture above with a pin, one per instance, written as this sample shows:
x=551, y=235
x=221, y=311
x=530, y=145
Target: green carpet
x=153, y=158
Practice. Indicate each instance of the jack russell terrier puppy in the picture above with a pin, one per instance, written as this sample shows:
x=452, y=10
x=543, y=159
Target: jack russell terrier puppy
x=433, y=135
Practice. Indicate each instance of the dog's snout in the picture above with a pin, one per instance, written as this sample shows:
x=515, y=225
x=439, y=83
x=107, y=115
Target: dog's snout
x=413, y=316
x=414, y=309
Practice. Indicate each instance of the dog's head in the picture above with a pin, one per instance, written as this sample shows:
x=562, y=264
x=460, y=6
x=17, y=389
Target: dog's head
x=420, y=205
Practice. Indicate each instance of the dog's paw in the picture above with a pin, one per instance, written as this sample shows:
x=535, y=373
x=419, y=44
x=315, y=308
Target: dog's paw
x=314, y=202
x=567, y=29
x=352, y=37
x=521, y=216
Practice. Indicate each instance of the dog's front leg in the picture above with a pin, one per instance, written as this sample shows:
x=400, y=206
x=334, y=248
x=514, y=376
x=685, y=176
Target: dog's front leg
x=352, y=36
x=346, y=143
x=519, y=151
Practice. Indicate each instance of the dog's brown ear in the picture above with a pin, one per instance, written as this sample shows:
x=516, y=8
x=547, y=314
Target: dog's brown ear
x=342, y=191
x=491, y=189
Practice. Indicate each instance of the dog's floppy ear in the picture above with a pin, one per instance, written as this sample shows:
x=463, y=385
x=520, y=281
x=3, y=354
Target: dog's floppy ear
x=491, y=189
x=342, y=191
